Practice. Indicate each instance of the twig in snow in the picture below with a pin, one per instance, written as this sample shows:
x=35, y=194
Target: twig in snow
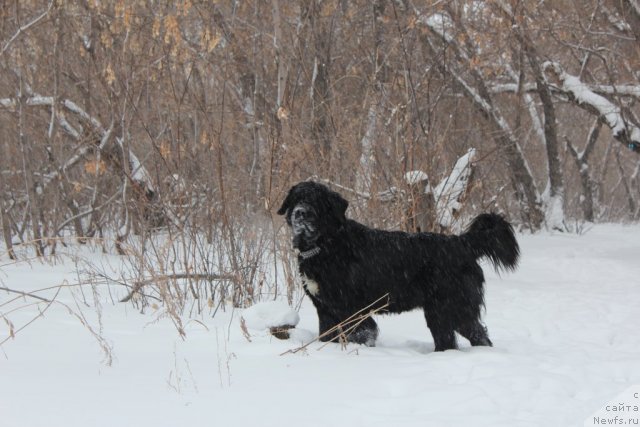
x=348, y=325
x=201, y=276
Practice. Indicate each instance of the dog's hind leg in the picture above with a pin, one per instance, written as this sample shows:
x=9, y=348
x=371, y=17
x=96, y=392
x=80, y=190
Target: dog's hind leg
x=476, y=333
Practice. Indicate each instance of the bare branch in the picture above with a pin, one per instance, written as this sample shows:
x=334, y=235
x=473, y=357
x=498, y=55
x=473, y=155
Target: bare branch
x=192, y=276
x=25, y=27
x=24, y=294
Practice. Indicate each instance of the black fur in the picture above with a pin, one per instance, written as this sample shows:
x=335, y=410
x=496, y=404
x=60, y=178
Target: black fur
x=356, y=265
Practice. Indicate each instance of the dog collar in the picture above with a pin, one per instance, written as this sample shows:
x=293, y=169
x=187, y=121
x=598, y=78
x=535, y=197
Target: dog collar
x=310, y=253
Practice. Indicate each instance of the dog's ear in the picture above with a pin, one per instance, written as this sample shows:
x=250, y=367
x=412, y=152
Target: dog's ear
x=338, y=206
x=286, y=204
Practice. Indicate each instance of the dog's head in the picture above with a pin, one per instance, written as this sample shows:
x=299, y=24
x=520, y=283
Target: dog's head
x=313, y=212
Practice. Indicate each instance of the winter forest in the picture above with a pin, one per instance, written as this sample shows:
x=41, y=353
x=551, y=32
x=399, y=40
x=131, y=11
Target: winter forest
x=125, y=116
x=122, y=117
x=165, y=134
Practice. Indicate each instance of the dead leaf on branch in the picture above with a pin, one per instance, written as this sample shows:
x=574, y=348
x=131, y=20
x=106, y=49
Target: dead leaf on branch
x=95, y=167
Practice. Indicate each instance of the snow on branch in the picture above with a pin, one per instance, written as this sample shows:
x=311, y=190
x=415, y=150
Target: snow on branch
x=415, y=177
x=623, y=90
x=32, y=101
x=618, y=90
x=138, y=172
x=447, y=197
x=450, y=192
x=439, y=23
x=582, y=95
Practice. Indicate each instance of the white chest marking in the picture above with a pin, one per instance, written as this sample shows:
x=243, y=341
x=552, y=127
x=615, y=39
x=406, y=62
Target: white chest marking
x=310, y=285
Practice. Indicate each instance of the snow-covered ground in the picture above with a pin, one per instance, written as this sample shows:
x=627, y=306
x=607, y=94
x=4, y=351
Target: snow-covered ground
x=566, y=330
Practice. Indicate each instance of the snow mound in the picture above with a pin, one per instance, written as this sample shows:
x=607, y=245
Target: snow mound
x=302, y=336
x=415, y=177
x=265, y=315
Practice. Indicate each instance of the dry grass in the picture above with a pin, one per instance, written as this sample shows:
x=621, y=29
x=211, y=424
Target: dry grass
x=21, y=300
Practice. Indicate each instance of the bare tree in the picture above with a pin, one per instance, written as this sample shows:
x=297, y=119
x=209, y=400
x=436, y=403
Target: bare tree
x=444, y=32
x=120, y=117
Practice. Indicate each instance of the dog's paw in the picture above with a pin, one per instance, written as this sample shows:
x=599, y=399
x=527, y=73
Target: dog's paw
x=366, y=337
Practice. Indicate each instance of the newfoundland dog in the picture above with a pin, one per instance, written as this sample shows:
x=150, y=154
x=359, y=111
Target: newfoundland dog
x=346, y=266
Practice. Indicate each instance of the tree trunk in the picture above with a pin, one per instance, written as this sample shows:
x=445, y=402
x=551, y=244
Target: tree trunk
x=586, y=182
x=247, y=94
x=364, y=179
x=555, y=216
x=30, y=184
x=321, y=121
x=6, y=228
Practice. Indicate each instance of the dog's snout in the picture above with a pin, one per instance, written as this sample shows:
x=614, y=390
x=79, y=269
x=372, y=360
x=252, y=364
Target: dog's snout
x=300, y=214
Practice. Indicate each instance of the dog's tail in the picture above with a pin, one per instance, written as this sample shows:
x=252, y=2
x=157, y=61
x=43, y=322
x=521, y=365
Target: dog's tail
x=491, y=236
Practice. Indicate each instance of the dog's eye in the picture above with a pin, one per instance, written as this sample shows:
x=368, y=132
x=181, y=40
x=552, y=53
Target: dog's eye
x=302, y=214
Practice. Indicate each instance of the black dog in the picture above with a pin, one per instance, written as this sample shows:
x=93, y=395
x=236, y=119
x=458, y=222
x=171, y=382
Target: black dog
x=346, y=266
